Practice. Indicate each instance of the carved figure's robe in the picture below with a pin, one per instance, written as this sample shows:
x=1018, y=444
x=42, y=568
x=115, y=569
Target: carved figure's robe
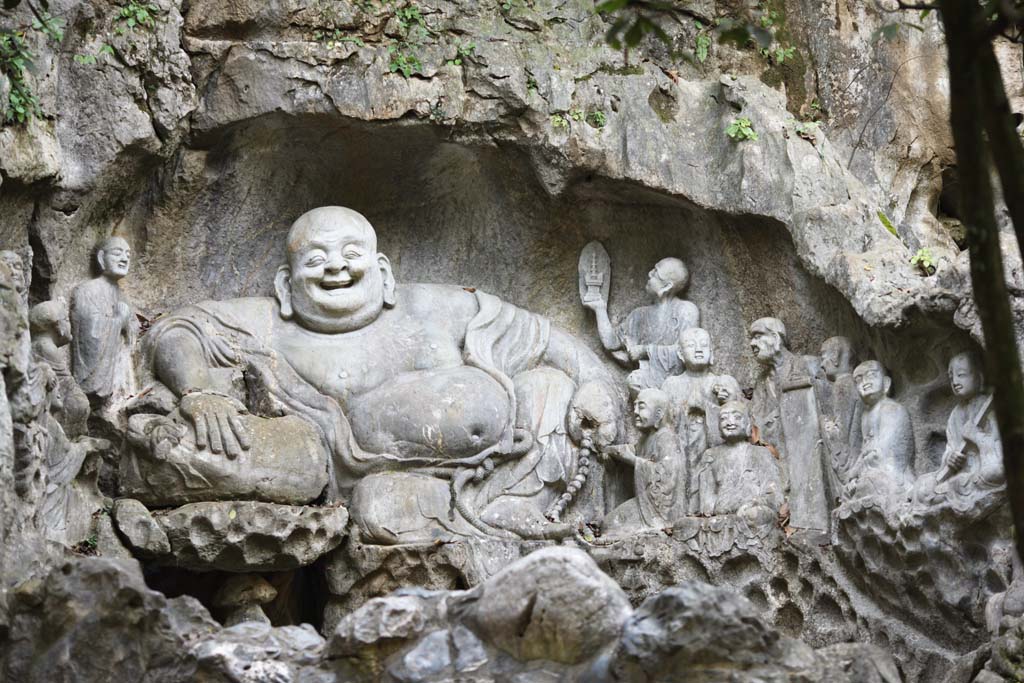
x=885, y=464
x=657, y=329
x=660, y=474
x=983, y=472
x=69, y=403
x=841, y=408
x=100, y=345
x=785, y=410
x=695, y=412
x=739, y=475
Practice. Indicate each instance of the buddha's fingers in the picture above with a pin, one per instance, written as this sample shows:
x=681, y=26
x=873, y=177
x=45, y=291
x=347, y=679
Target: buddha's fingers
x=227, y=435
x=199, y=420
x=241, y=432
x=213, y=431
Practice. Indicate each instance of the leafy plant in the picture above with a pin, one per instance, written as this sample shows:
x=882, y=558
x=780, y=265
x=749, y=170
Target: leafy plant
x=597, y=119
x=741, y=129
x=924, y=260
x=411, y=17
x=15, y=57
x=463, y=52
x=531, y=82
x=137, y=14
x=559, y=121
x=577, y=115
x=91, y=59
x=333, y=38
x=404, y=61
x=702, y=43
x=50, y=26
x=807, y=130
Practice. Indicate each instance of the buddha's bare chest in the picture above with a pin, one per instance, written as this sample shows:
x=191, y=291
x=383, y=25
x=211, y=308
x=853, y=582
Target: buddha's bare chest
x=348, y=365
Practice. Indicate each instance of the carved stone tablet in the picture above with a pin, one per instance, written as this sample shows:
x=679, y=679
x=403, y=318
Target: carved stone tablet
x=595, y=272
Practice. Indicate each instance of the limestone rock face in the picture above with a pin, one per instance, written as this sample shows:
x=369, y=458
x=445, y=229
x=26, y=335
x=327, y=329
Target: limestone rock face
x=250, y=536
x=554, y=604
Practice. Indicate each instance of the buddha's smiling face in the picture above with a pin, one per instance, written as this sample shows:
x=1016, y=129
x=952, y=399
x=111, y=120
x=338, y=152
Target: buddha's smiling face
x=336, y=280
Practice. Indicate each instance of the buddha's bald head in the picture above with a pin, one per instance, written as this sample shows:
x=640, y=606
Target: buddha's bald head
x=334, y=279
x=329, y=219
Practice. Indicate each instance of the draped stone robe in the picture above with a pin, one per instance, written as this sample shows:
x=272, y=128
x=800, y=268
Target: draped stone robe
x=786, y=411
x=101, y=340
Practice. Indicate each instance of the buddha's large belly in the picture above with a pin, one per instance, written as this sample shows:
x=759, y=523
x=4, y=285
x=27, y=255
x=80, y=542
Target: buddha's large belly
x=448, y=413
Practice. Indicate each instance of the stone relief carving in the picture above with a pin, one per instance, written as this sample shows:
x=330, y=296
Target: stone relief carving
x=659, y=465
x=432, y=413
x=786, y=411
x=738, y=477
x=884, y=465
x=646, y=339
x=103, y=327
x=840, y=407
x=971, y=474
x=369, y=363
x=51, y=333
x=695, y=397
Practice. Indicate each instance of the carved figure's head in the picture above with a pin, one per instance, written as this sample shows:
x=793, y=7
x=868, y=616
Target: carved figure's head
x=734, y=421
x=836, y=357
x=872, y=381
x=695, y=348
x=767, y=339
x=650, y=409
x=594, y=415
x=51, y=318
x=667, y=278
x=17, y=266
x=114, y=257
x=965, y=375
x=334, y=279
x=725, y=389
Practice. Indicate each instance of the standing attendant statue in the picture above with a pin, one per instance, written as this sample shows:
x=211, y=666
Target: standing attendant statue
x=104, y=328
x=786, y=411
x=646, y=339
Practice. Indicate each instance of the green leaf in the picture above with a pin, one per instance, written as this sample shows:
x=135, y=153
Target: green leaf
x=888, y=224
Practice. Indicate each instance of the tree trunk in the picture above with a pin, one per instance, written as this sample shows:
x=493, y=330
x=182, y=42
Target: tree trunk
x=1007, y=150
x=962, y=22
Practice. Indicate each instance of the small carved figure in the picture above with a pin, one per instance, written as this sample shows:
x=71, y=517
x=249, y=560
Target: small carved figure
x=840, y=405
x=786, y=411
x=647, y=337
x=695, y=401
x=19, y=276
x=972, y=464
x=885, y=464
x=739, y=477
x=51, y=331
x=103, y=327
x=659, y=466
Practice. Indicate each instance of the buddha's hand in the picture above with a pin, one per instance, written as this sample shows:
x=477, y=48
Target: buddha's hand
x=217, y=423
x=596, y=304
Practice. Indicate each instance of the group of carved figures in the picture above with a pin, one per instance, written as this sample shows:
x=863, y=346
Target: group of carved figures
x=816, y=433
x=439, y=412
x=52, y=393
